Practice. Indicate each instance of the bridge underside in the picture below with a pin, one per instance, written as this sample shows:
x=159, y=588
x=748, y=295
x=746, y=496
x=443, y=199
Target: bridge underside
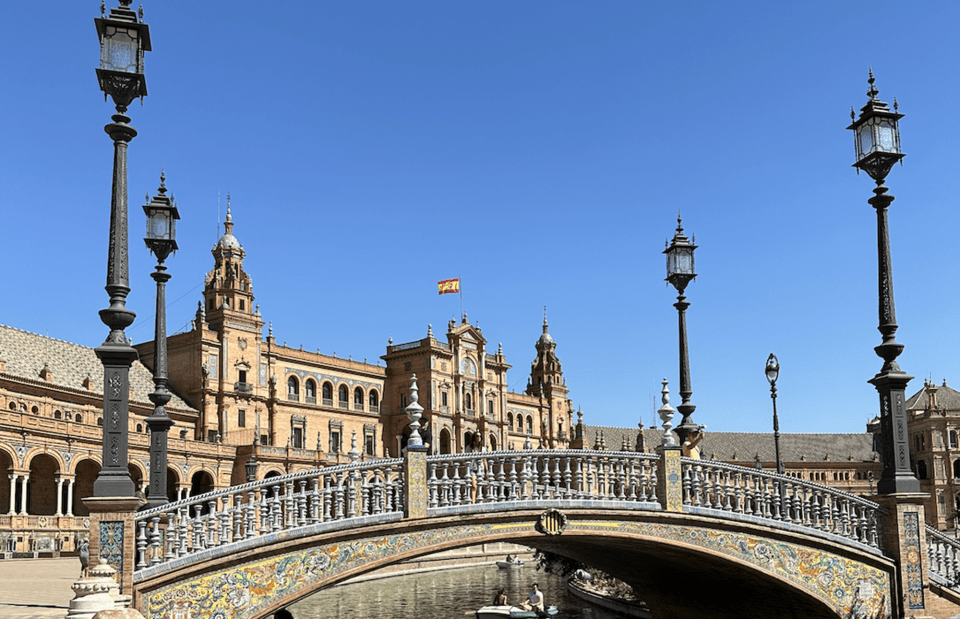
x=683, y=565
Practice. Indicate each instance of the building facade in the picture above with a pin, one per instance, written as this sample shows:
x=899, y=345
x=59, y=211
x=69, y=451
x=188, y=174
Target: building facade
x=240, y=397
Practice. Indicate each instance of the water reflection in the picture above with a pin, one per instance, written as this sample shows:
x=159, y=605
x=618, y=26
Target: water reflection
x=447, y=594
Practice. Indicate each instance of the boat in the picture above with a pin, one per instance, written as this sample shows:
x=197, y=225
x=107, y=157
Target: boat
x=513, y=612
x=507, y=565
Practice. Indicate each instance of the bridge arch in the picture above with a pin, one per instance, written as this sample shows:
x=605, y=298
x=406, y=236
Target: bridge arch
x=683, y=564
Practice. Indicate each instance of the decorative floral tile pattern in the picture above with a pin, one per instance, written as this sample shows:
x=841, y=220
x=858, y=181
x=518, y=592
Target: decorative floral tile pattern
x=854, y=589
x=911, y=538
x=111, y=543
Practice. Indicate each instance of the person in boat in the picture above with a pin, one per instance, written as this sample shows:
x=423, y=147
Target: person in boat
x=500, y=599
x=534, y=599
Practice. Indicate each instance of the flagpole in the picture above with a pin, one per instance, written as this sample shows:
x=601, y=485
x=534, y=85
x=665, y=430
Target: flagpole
x=460, y=291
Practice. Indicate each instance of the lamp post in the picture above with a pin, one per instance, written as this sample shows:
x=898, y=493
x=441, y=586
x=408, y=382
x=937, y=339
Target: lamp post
x=123, y=40
x=161, y=239
x=877, y=143
x=680, y=272
x=251, y=467
x=772, y=371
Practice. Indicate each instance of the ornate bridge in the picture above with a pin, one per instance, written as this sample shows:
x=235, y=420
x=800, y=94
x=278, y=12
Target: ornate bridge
x=688, y=534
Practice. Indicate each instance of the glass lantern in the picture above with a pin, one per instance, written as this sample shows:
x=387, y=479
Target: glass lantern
x=162, y=215
x=680, y=264
x=876, y=136
x=772, y=369
x=123, y=40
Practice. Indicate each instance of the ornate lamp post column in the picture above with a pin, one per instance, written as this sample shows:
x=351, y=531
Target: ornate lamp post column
x=680, y=272
x=772, y=371
x=123, y=40
x=161, y=239
x=877, y=142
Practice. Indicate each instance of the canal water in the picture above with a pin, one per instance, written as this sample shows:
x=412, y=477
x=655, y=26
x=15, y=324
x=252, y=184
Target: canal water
x=446, y=594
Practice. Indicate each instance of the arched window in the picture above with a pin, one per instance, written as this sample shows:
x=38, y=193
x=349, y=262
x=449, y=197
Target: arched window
x=343, y=394
x=327, y=394
x=374, y=399
x=310, y=391
x=358, y=399
x=490, y=407
x=13, y=406
x=100, y=421
x=956, y=468
x=529, y=424
x=953, y=439
x=468, y=401
x=57, y=415
x=293, y=389
x=78, y=418
x=510, y=421
x=139, y=427
x=493, y=443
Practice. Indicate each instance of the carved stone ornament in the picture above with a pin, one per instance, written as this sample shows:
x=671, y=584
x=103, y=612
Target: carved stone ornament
x=552, y=522
x=243, y=343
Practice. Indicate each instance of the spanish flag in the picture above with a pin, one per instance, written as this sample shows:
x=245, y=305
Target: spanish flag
x=448, y=285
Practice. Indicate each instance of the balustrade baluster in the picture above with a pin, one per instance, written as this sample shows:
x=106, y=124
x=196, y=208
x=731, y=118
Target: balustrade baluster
x=226, y=519
x=276, y=509
x=445, y=486
x=727, y=490
x=567, y=478
x=432, y=485
x=184, y=531
x=156, y=541
x=696, y=485
x=142, y=545
x=543, y=475
x=651, y=480
x=501, y=480
x=339, y=496
x=706, y=486
x=316, y=500
x=687, y=484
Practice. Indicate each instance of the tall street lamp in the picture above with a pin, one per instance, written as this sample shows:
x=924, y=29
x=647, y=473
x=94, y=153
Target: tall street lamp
x=161, y=239
x=877, y=143
x=772, y=371
x=123, y=40
x=680, y=272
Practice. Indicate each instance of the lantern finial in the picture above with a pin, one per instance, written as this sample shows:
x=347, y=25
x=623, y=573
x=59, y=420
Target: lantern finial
x=873, y=92
x=163, y=178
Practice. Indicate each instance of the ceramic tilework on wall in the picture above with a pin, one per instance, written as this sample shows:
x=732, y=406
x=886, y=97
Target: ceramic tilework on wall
x=853, y=589
x=111, y=543
x=911, y=538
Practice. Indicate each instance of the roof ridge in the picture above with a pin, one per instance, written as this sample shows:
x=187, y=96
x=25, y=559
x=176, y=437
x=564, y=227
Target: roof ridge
x=46, y=337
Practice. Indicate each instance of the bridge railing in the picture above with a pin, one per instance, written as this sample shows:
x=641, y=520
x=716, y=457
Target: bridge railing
x=943, y=558
x=768, y=496
x=538, y=475
x=337, y=493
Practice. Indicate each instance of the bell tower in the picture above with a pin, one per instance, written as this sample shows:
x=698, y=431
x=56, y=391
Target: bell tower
x=228, y=290
x=547, y=382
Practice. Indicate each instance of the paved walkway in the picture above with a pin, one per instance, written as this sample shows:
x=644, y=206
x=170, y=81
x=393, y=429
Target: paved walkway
x=37, y=588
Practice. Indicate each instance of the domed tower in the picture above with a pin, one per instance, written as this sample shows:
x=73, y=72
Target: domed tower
x=546, y=381
x=227, y=286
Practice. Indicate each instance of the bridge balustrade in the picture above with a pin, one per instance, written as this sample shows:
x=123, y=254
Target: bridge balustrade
x=943, y=558
x=760, y=494
x=349, y=495
x=496, y=477
x=334, y=494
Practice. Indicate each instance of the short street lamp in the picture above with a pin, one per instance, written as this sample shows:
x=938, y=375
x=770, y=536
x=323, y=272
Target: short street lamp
x=773, y=371
x=877, y=142
x=123, y=40
x=161, y=239
x=680, y=272
x=251, y=467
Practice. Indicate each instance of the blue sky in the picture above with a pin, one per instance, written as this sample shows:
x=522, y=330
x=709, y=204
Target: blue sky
x=538, y=150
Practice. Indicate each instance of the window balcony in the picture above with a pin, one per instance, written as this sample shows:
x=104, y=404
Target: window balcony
x=471, y=412
x=311, y=399
x=357, y=407
x=293, y=397
x=374, y=408
x=243, y=387
x=327, y=401
x=344, y=405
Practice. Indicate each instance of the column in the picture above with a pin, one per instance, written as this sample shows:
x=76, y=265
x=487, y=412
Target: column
x=59, y=496
x=70, y=496
x=23, y=495
x=13, y=493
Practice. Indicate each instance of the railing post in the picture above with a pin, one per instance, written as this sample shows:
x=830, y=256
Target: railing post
x=669, y=478
x=905, y=540
x=113, y=535
x=415, y=482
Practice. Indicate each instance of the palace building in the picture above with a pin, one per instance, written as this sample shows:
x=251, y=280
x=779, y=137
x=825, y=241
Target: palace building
x=239, y=396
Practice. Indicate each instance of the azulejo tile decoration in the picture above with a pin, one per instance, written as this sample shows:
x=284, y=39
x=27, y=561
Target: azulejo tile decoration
x=852, y=588
x=911, y=534
x=111, y=543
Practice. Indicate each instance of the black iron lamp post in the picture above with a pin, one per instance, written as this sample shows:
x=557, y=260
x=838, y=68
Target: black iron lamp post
x=680, y=272
x=772, y=371
x=123, y=40
x=877, y=142
x=161, y=239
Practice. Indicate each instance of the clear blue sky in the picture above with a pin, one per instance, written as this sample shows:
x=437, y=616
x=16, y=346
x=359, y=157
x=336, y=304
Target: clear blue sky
x=538, y=150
